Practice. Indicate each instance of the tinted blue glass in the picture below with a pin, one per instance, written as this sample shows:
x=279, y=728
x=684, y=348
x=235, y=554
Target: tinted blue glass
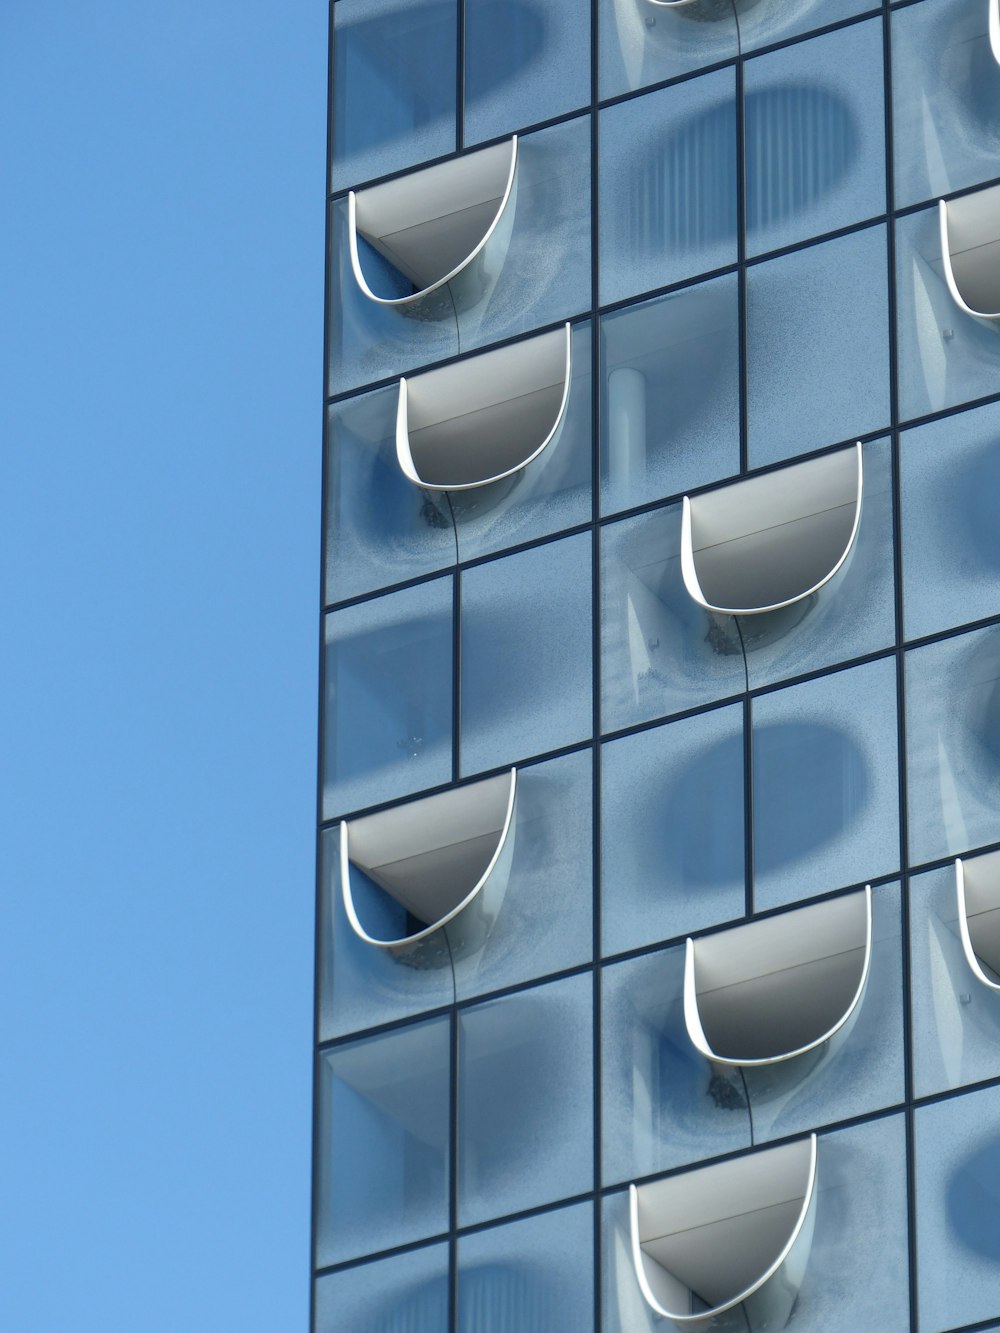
x=671, y=394
x=405, y=1294
x=380, y=529
x=643, y=44
x=825, y=784
x=388, y=697
x=951, y=539
x=551, y=493
x=945, y=356
x=854, y=613
x=762, y=23
x=532, y=1276
x=945, y=99
x=526, y=1099
x=953, y=745
x=383, y=1154
x=958, y=1188
x=956, y=1019
x=526, y=654
x=660, y=653
x=394, y=82
x=817, y=358
x=668, y=186
x=672, y=854
x=815, y=137
x=525, y=61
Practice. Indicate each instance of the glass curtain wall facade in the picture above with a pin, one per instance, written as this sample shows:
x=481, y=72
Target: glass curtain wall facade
x=658, y=976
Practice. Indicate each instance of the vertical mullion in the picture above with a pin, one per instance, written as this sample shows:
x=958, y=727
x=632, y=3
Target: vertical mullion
x=456, y=674
x=460, y=78
x=453, y=1176
x=741, y=246
x=597, y=416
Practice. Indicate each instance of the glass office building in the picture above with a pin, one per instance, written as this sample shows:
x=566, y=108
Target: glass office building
x=658, y=979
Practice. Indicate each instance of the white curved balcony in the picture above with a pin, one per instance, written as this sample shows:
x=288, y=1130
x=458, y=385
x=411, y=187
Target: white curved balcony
x=444, y=860
x=970, y=249
x=445, y=230
x=977, y=886
x=763, y=544
x=478, y=421
x=781, y=988
x=736, y=1233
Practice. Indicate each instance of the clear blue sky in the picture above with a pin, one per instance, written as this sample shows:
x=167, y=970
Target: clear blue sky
x=161, y=237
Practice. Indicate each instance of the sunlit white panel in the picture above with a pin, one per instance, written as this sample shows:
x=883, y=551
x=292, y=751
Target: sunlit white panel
x=970, y=248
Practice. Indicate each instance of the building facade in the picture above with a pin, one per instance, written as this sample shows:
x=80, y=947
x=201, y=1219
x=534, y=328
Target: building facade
x=658, y=968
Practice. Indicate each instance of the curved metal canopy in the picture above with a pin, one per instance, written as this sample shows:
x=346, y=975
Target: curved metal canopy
x=768, y=542
x=730, y=1234
x=483, y=419
x=970, y=249
x=977, y=887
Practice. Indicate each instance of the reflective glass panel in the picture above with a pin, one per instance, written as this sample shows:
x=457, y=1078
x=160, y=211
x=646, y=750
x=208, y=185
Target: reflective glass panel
x=957, y=1147
x=762, y=23
x=525, y=61
x=383, y=1141
x=825, y=764
x=532, y=1276
x=668, y=186
x=671, y=418
x=818, y=333
x=526, y=1099
x=815, y=137
x=405, y=1294
x=945, y=100
x=951, y=539
x=672, y=851
x=526, y=654
x=394, y=82
x=953, y=745
x=644, y=43
x=388, y=697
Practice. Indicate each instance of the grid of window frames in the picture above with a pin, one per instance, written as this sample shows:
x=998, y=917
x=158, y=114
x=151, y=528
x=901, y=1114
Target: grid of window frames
x=726, y=239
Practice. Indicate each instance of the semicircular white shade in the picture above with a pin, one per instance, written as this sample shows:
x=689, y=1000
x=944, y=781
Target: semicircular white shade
x=480, y=420
x=779, y=988
x=970, y=249
x=977, y=885
x=995, y=29
x=762, y=544
x=733, y=1233
x=436, y=226
x=444, y=859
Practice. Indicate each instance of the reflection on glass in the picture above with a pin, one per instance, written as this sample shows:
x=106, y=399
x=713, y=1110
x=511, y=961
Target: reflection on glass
x=405, y=1294
x=642, y=42
x=668, y=186
x=818, y=328
x=525, y=61
x=672, y=830
x=671, y=402
x=388, y=697
x=384, y=1126
x=526, y=1099
x=825, y=783
x=531, y=1275
x=393, y=98
x=958, y=1200
x=953, y=745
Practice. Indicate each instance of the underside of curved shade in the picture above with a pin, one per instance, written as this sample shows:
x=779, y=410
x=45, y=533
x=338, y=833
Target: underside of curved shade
x=977, y=884
x=445, y=860
x=970, y=249
x=762, y=544
x=734, y=1233
x=995, y=29
x=772, y=990
x=435, y=226
x=705, y=9
x=480, y=420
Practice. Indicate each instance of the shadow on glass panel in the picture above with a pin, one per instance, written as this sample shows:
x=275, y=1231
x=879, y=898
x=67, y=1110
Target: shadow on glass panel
x=511, y=37
x=973, y=1201
x=974, y=484
x=824, y=783
x=494, y=1298
x=981, y=752
x=692, y=840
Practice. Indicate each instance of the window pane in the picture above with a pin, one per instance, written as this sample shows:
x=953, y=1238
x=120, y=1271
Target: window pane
x=672, y=849
x=668, y=186
x=388, y=697
x=405, y=1294
x=818, y=335
x=394, y=83
x=526, y=1099
x=383, y=1154
x=641, y=44
x=671, y=395
x=526, y=654
x=825, y=784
